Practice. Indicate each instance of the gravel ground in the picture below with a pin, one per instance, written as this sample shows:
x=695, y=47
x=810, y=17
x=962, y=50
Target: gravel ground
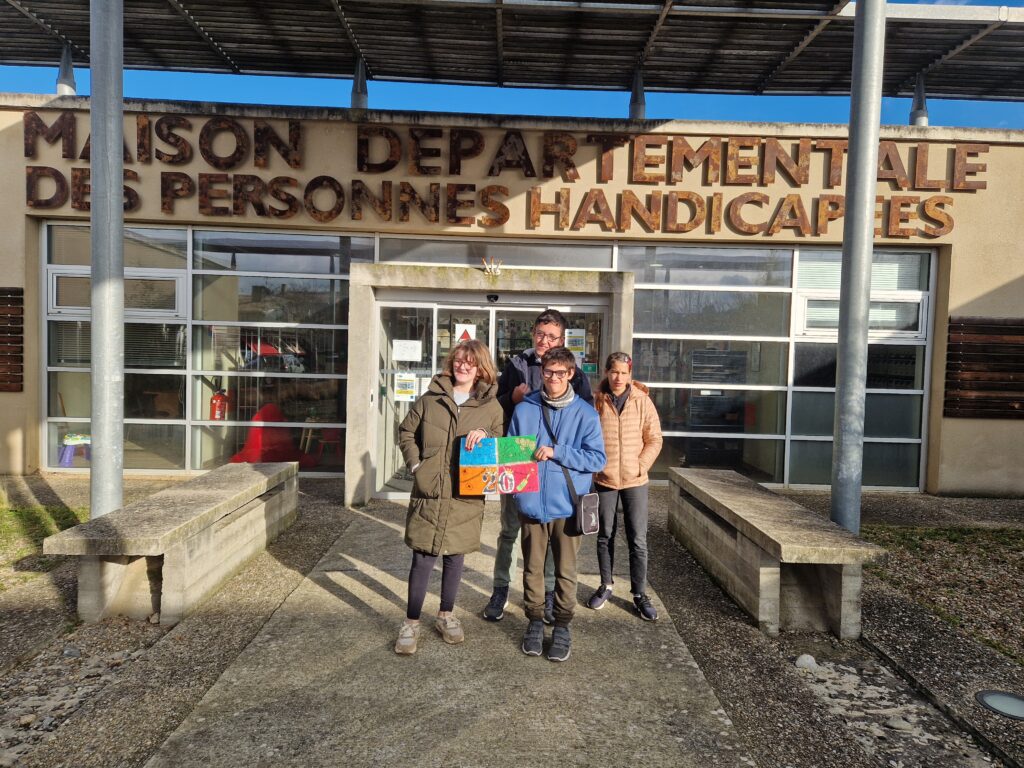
x=126, y=685
x=109, y=694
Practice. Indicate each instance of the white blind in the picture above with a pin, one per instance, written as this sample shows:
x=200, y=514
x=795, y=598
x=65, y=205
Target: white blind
x=882, y=316
x=820, y=270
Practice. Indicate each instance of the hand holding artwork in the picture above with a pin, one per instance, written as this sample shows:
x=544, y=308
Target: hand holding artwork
x=544, y=452
x=474, y=437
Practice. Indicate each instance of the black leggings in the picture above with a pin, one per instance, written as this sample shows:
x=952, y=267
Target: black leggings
x=419, y=576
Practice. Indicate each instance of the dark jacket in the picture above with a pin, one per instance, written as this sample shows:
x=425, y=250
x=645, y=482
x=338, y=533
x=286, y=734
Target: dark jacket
x=579, y=448
x=525, y=368
x=440, y=521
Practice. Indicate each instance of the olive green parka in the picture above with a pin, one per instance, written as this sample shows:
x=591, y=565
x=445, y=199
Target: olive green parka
x=440, y=521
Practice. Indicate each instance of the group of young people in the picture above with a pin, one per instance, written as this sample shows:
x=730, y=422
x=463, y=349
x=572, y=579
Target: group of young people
x=609, y=439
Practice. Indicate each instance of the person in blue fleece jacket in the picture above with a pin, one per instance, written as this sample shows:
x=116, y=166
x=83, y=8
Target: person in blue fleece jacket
x=578, y=445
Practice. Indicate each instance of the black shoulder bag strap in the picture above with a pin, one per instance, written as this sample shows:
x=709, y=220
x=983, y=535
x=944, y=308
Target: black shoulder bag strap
x=554, y=441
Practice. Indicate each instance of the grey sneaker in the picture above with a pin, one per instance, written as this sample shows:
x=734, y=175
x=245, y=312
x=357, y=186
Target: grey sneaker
x=450, y=629
x=600, y=597
x=533, y=640
x=408, y=637
x=549, y=607
x=561, y=644
x=643, y=606
x=495, y=610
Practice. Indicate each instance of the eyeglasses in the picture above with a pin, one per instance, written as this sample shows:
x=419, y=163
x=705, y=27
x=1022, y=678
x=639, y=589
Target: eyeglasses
x=548, y=337
x=465, y=365
x=549, y=374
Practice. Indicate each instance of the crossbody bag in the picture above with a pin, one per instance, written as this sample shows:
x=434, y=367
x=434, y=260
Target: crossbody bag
x=585, y=519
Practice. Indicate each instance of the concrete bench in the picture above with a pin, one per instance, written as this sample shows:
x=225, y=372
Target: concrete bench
x=786, y=566
x=166, y=553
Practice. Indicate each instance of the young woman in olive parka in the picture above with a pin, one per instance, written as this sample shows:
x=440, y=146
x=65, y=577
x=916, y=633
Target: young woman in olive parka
x=460, y=403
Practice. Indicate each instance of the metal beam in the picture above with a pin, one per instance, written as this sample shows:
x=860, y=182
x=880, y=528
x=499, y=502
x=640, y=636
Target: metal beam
x=911, y=81
x=360, y=54
x=649, y=45
x=640, y=9
x=214, y=46
x=858, y=247
x=47, y=27
x=106, y=120
x=807, y=40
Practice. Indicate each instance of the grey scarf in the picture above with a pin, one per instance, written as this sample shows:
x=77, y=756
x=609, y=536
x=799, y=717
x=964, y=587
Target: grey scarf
x=559, y=402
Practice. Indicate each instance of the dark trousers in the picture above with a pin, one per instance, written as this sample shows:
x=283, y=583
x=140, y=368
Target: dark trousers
x=419, y=576
x=536, y=539
x=634, y=512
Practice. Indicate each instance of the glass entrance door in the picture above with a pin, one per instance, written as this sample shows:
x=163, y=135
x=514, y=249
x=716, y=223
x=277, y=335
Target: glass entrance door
x=414, y=340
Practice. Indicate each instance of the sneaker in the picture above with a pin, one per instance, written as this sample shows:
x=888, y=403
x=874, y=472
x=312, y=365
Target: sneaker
x=495, y=610
x=533, y=640
x=450, y=629
x=643, y=606
x=561, y=644
x=600, y=597
x=549, y=607
x=408, y=637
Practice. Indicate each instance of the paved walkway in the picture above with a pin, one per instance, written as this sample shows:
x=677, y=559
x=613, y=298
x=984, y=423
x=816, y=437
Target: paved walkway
x=321, y=686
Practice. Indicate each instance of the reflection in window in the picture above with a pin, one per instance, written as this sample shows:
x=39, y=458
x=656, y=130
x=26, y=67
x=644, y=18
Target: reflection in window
x=294, y=399
x=890, y=366
x=271, y=252
x=271, y=299
x=317, y=449
x=270, y=350
x=472, y=253
x=719, y=313
x=755, y=412
x=893, y=465
x=686, y=265
x=882, y=316
x=144, y=247
x=684, y=361
x=760, y=460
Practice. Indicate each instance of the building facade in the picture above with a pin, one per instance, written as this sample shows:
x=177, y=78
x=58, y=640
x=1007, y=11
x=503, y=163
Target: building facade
x=293, y=277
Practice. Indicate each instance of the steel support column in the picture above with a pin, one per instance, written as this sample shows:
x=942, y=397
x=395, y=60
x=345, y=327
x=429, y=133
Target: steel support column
x=855, y=286
x=919, y=108
x=66, y=74
x=360, y=94
x=107, y=238
x=637, y=102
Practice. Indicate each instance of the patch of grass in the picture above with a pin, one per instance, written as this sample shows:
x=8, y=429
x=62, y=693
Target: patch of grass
x=22, y=530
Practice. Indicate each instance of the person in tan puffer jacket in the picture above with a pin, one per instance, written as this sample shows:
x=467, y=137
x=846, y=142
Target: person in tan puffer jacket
x=632, y=440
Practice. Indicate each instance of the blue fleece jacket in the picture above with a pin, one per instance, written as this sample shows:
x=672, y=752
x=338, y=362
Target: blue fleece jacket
x=580, y=449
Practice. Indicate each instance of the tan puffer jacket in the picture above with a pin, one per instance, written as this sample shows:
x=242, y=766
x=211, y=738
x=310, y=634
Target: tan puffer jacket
x=632, y=439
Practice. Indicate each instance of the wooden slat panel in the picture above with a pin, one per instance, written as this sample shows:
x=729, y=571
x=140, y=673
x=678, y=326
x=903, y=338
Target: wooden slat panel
x=12, y=339
x=985, y=368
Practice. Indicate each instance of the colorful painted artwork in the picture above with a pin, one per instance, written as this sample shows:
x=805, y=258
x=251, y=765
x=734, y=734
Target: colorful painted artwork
x=498, y=465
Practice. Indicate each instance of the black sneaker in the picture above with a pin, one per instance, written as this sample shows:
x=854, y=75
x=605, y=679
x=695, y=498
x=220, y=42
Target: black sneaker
x=643, y=606
x=495, y=610
x=599, y=598
x=549, y=607
x=561, y=644
x=533, y=640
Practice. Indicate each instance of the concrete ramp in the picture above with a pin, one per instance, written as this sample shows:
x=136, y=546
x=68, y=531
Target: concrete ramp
x=321, y=686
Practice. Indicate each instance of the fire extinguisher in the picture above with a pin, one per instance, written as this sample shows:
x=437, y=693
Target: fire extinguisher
x=219, y=406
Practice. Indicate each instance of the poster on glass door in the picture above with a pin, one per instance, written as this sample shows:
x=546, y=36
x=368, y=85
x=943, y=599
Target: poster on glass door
x=576, y=342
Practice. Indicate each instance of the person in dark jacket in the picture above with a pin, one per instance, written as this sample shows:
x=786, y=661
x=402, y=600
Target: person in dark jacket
x=520, y=377
x=568, y=436
x=460, y=403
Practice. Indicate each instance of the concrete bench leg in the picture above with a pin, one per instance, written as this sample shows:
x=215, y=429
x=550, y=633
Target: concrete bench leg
x=125, y=586
x=841, y=588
